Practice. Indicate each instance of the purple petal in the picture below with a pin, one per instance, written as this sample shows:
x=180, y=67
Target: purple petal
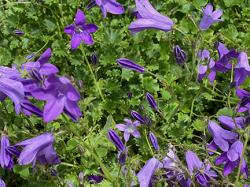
x=75, y=41
x=44, y=58
x=121, y=127
x=235, y=151
x=70, y=29
x=193, y=162
x=80, y=17
x=48, y=69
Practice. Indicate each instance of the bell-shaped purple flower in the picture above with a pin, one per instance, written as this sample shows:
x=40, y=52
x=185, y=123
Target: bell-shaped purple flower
x=242, y=69
x=154, y=141
x=230, y=123
x=151, y=101
x=129, y=128
x=146, y=173
x=115, y=139
x=6, y=159
x=244, y=104
x=180, y=55
x=129, y=64
x=209, y=17
x=61, y=96
x=80, y=31
x=137, y=116
x=221, y=137
x=201, y=171
x=38, y=149
x=149, y=18
x=231, y=159
x=111, y=6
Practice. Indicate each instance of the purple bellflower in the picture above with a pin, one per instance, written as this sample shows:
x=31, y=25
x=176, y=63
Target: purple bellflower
x=231, y=158
x=242, y=69
x=244, y=104
x=61, y=96
x=129, y=128
x=149, y=18
x=151, y=101
x=180, y=55
x=221, y=137
x=6, y=159
x=209, y=17
x=129, y=64
x=38, y=149
x=154, y=141
x=146, y=173
x=115, y=139
x=137, y=116
x=80, y=31
x=202, y=172
x=11, y=87
x=111, y=6
x=230, y=123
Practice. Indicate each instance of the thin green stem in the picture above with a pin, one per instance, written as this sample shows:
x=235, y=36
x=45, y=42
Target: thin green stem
x=92, y=73
x=145, y=134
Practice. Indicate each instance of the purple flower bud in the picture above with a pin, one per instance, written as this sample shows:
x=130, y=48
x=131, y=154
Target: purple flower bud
x=180, y=55
x=129, y=64
x=137, y=116
x=154, y=141
x=18, y=32
x=30, y=56
x=95, y=179
x=81, y=177
x=115, y=139
x=151, y=101
x=91, y=4
x=122, y=157
x=94, y=59
x=129, y=95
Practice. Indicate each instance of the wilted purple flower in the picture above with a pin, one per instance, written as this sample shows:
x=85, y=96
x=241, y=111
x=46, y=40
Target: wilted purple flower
x=39, y=149
x=242, y=69
x=201, y=171
x=244, y=104
x=11, y=87
x=231, y=158
x=80, y=31
x=6, y=159
x=130, y=128
x=180, y=55
x=137, y=116
x=61, y=96
x=146, y=173
x=151, y=101
x=41, y=67
x=122, y=157
x=149, y=18
x=129, y=64
x=111, y=6
x=115, y=139
x=81, y=177
x=154, y=141
x=18, y=32
x=2, y=183
x=209, y=17
x=230, y=123
x=221, y=137
x=95, y=179
x=94, y=59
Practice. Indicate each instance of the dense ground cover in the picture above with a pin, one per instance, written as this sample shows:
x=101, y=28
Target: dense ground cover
x=68, y=82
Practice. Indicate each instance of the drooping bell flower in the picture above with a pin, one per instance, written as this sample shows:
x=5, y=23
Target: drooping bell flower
x=149, y=18
x=111, y=6
x=129, y=128
x=154, y=141
x=202, y=172
x=221, y=137
x=242, y=69
x=209, y=17
x=151, y=101
x=231, y=159
x=244, y=104
x=6, y=159
x=230, y=123
x=180, y=55
x=137, y=116
x=60, y=96
x=38, y=149
x=129, y=64
x=115, y=139
x=146, y=173
x=80, y=31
